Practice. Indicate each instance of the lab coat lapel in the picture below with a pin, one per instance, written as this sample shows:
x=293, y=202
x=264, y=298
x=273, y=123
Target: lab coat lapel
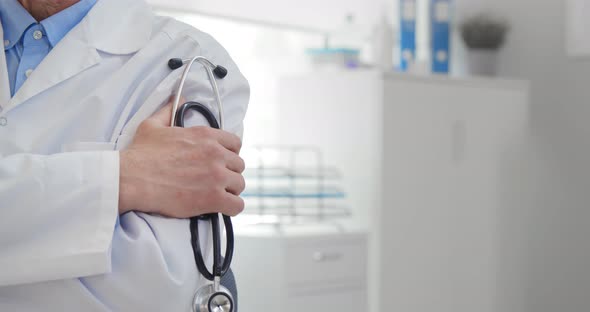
x=4, y=83
x=102, y=30
x=69, y=58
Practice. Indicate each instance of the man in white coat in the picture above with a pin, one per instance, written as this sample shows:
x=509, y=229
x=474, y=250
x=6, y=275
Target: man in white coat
x=95, y=187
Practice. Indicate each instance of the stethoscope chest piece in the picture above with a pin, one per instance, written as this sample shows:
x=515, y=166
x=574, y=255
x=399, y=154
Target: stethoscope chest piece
x=208, y=300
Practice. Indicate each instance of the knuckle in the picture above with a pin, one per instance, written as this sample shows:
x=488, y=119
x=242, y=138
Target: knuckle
x=217, y=174
x=216, y=197
x=238, y=142
x=242, y=165
x=242, y=184
x=201, y=131
x=206, y=148
x=214, y=150
x=239, y=207
x=209, y=199
x=185, y=135
x=234, y=140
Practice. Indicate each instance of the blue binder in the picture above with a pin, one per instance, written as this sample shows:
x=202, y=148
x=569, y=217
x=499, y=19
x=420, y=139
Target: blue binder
x=440, y=15
x=407, y=33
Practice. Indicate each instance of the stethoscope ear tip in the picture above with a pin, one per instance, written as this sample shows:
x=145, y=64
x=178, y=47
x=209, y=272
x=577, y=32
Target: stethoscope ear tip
x=220, y=71
x=175, y=63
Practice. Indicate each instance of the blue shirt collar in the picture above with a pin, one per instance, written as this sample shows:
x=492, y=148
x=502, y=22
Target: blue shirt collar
x=16, y=20
x=58, y=25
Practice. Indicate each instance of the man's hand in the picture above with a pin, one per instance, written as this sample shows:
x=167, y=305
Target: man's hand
x=181, y=173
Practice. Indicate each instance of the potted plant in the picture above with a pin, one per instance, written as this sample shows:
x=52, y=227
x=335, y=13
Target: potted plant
x=483, y=34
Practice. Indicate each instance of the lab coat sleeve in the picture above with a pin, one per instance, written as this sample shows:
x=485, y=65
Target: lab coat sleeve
x=57, y=215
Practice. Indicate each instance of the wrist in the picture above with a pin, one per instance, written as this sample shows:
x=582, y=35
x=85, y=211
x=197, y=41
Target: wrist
x=126, y=189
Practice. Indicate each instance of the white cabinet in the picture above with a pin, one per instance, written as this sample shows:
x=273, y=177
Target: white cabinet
x=446, y=163
x=426, y=163
x=308, y=14
x=297, y=268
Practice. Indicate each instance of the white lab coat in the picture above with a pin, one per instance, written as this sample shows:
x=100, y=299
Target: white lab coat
x=61, y=248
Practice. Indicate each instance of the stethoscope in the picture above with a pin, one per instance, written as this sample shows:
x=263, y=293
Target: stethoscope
x=212, y=297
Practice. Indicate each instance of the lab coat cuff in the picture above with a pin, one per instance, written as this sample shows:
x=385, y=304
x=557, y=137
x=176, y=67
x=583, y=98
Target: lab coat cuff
x=109, y=211
x=98, y=256
x=95, y=174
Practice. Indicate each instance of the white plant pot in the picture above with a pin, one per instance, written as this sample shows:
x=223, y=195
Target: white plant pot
x=482, y=62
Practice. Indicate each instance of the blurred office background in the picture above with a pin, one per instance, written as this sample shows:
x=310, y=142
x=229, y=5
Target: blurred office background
x=458, y=191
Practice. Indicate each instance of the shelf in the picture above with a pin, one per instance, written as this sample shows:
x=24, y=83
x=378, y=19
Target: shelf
x=379, y=76
x=338, y=195
x=285, y=173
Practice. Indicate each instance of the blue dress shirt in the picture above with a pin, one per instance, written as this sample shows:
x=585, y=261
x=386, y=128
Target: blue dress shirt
x=27, y=42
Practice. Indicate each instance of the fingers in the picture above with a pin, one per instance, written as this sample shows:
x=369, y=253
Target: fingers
x=234, y=205
x=163, y=116
x=234, y=162
x=230, y=141
x=236, y=183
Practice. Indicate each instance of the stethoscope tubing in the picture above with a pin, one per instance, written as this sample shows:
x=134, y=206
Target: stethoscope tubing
x=220, y=265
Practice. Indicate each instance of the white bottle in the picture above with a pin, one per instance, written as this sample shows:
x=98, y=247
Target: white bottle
x=383, y=43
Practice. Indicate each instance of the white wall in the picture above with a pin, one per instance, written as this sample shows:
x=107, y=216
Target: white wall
x=263, y=54
x=546, y=258
x=315, y=15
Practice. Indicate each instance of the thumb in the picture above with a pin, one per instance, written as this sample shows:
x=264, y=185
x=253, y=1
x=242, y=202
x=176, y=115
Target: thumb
x=163, y=116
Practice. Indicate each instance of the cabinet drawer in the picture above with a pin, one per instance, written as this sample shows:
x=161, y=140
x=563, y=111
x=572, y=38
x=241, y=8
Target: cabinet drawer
x=354, y=301
x=327, y=261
